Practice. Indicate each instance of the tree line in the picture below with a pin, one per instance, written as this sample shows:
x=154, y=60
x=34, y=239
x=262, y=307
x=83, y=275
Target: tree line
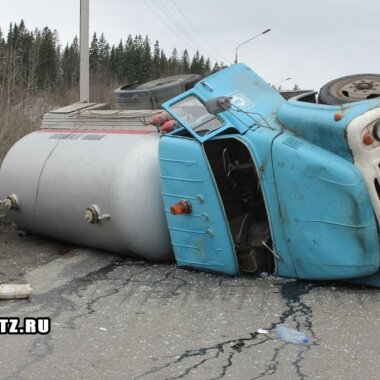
x=35, y=60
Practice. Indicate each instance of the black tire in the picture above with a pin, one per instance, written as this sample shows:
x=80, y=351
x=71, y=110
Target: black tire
x=151, y=95
x=351, y=88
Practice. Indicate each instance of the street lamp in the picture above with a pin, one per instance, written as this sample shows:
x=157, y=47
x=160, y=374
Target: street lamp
x=252, y=38
x=281, y=81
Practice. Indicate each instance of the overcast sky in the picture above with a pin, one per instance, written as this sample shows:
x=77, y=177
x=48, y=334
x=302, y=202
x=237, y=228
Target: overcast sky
x=311, y=41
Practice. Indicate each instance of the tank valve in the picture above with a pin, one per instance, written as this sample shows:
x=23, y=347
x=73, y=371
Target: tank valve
x=92, y=215
x=10, y=202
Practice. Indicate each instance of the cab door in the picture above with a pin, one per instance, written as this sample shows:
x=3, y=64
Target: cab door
x=201, y=239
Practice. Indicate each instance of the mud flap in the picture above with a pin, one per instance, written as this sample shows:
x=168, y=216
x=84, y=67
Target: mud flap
x=201, y=239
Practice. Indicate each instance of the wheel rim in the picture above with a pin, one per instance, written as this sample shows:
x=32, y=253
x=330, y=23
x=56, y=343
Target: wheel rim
x=361, y=89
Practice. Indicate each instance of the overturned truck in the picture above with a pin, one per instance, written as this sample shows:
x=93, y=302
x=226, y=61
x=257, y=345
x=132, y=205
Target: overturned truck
x=230, y=178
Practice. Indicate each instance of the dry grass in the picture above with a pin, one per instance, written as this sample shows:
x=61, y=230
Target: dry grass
x=22, y=114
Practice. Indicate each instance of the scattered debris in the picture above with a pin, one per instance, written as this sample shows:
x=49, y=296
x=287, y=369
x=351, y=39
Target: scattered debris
x=262, y=331
x=289, y=335
x=12, y=291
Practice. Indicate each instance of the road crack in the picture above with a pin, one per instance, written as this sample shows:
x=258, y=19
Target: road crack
x=230, y=347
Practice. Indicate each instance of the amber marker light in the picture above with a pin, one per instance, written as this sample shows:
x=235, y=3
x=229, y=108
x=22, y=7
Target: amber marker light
x=367, y=140
x=180, y=208
x=169, y=126
x=338, y=116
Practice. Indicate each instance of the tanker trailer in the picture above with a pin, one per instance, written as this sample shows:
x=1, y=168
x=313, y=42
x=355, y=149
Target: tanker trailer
x=90, y=176
x=242, y=180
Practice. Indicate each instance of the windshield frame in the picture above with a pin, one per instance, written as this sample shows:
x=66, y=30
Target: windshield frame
x=195, y=115
x=192, y=93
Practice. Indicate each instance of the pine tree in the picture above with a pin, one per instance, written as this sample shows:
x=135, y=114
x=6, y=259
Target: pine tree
x=207, y=67
x=129, y=69
x=3, y=53
x=75, y=61
x=103, y=56
x=2, y=47
x=113, y=64
x=70, y=64
x=195, y=67
x=16, y=54
x=137, y=58
x=94, y=54
x=201, y=64
x=156, y=67
x=65, y=68
x=185, y=62
x=173, y=63
x=146, y=62
x=116, y=61
x=48, y=59
x=164, y=67
x=2, y=56
x=215, y=68
x=12, y=35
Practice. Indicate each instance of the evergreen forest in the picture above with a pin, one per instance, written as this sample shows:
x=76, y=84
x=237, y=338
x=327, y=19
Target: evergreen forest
x=38, y=74
x=36, y=60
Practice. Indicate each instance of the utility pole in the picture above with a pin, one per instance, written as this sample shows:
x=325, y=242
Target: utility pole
x=84, y=73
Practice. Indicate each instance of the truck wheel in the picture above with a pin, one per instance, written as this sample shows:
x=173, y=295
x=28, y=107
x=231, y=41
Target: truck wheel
x=351, y=88
x=152, y=94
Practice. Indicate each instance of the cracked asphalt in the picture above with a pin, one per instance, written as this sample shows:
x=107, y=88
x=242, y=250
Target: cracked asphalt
x=117, y=318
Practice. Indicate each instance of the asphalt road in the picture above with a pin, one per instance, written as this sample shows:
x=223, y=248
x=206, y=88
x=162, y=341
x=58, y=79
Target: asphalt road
x=117, y=318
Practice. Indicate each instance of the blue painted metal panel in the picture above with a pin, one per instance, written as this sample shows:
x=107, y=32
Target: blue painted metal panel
x=320, y=214
x=329, y=224
x=249, y=93
x=201, y=239
x=315, y=122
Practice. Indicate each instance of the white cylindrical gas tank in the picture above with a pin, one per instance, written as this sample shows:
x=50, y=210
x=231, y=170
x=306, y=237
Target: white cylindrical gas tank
x=93, y=188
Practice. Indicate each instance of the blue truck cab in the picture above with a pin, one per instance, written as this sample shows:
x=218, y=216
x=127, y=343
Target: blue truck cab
x=268, y=185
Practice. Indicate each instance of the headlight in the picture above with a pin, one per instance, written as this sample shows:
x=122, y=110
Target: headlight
x=376, y=131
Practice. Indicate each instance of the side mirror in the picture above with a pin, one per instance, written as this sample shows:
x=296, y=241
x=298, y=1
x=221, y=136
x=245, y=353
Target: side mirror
x=219, y=104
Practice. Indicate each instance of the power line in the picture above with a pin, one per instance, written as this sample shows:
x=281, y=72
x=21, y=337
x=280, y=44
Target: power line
x=196, y=31
x=164, y=22
x=179, y=26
